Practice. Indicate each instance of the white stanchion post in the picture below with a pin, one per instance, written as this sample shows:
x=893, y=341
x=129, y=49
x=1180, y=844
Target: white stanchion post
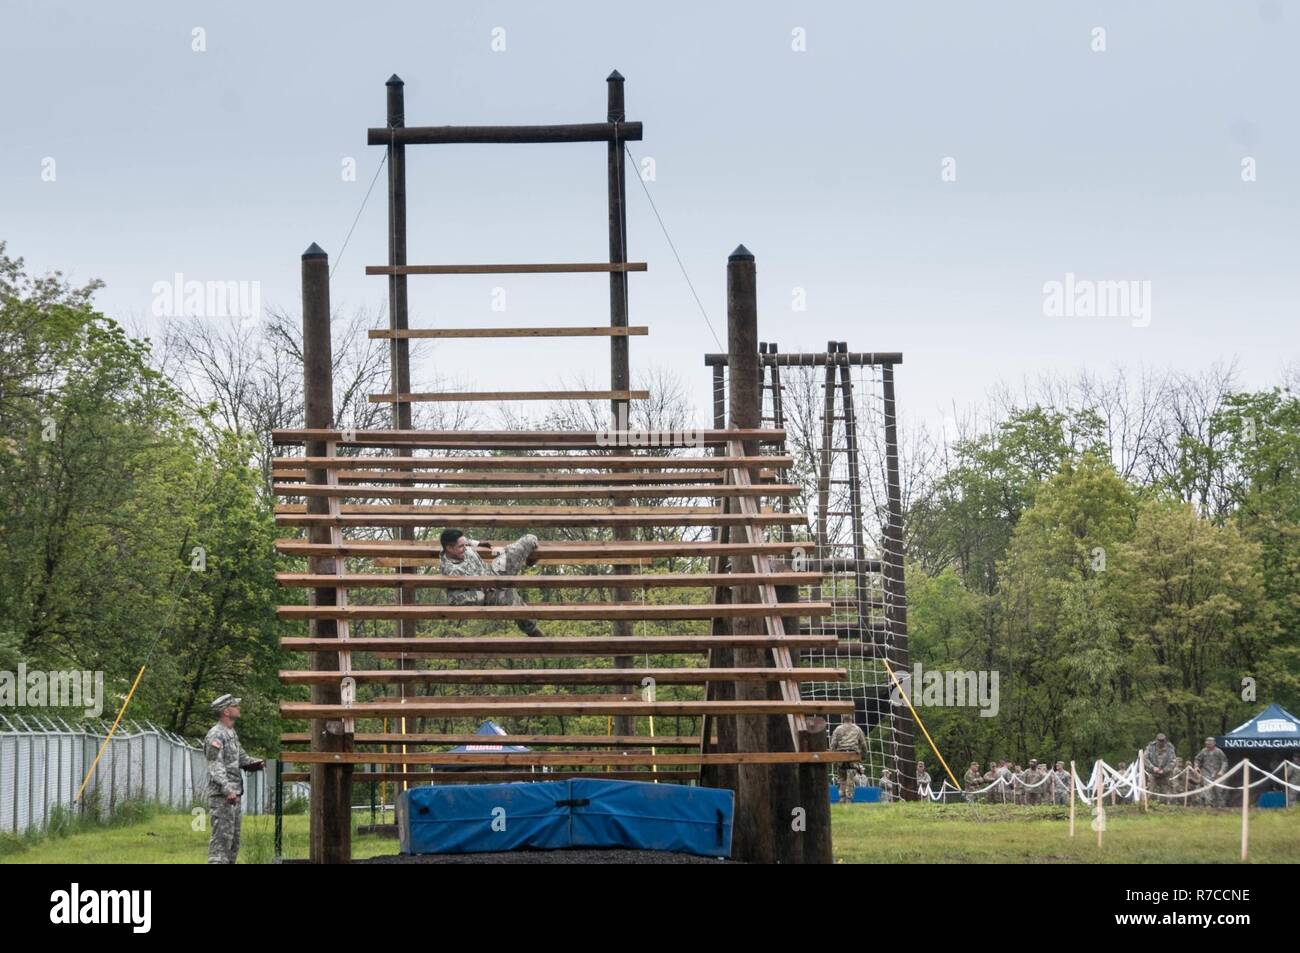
x=1101, y=810
x=1074, y=780
x=1142, y=781
x=1245, y=808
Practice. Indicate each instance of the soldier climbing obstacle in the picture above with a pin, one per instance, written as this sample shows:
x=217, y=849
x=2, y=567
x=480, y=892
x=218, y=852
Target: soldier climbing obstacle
x=460, y=558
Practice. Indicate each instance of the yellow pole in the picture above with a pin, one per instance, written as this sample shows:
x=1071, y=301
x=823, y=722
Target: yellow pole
x=117, y=721
x=933, y=747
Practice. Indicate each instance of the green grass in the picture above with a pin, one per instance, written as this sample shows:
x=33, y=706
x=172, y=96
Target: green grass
x=168, y=839
x=863, y=833
x=1009, y=834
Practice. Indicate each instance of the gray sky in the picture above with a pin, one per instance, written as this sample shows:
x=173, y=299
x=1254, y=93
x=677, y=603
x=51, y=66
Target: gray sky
x=1120, y=165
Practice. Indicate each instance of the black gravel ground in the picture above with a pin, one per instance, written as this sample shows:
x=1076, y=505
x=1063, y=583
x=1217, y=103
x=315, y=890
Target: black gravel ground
x=604, y=856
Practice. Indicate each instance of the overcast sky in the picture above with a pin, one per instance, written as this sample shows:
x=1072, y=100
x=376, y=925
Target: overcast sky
x=1126, y=163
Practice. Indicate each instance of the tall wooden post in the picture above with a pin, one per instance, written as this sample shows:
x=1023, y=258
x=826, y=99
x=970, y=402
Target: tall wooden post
x=400, y=347
x=331, y=785
x=895, y=588
x=754, y=839
x=620, y=377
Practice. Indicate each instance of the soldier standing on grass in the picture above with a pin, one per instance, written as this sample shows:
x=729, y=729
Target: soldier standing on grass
x=1060, y=784
x=922, y=779
x=226, y=759
x=1158, y=762
x=1211, y=762
x=848, y=737
x=973, y=781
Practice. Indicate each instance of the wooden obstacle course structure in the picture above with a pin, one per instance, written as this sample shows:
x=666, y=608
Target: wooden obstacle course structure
x=772, y=737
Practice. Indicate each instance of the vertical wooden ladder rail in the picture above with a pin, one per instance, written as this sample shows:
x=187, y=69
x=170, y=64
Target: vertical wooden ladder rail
x=347, y=687
x=740, y=476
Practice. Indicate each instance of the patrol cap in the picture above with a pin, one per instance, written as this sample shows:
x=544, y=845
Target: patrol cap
x=225, y=701
x=1209, y=737
x=1160, y=737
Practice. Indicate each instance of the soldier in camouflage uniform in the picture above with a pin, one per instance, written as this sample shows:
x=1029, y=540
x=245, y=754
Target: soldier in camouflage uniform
x=1031, y=777
x=226, y=759
x=1060, y=784
x=1211, y=762
x=922, y=780
x=848, y=737
x=887, y=786
x=973, y=780
x=460, y=558
x=1158, y=763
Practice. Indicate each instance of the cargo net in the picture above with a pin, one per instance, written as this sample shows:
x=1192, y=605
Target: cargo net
x=836, y=433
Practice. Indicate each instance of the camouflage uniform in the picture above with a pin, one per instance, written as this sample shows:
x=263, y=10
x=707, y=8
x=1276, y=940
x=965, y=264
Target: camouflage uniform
x=973, y=781
x=225, y=759
x=1033, y=795
x=848, y=737
x=886, y=786
x=1159, y=756
x=1061, y=785
x=922, y=780
x=1211, y=762
x=510, y=562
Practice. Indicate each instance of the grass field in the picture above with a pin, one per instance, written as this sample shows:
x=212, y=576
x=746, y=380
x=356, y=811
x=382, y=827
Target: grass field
x=873, y=834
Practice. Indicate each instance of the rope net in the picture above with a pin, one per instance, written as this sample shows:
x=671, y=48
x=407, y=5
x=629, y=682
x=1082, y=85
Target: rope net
x=836, y=420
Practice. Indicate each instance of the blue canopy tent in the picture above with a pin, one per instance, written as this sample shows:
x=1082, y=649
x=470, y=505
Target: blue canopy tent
x=489, y=729
x=1268, y=739
x=1273, y=730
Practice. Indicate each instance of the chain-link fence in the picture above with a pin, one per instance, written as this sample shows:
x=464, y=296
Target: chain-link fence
x=42, y=762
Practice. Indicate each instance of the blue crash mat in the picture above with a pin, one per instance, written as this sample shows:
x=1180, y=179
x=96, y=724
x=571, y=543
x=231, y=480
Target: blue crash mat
x=478, y=818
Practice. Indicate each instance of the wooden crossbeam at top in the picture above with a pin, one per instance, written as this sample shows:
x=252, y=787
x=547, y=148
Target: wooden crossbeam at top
x=502, y=395
x=540, y=268
x=554, y=132
x=553, y=332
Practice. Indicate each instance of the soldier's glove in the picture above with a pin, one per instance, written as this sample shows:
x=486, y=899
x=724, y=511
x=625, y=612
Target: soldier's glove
x=257, y=765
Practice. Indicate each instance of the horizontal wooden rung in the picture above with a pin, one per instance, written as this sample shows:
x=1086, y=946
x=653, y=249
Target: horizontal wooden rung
x=447, y=516
x=505, y=395
x=459, y=508
x=678, y=776
x=621, y=440
x=544, y=758
x=555, y=646
x=550, y=461
x=585, y=492
x=542, y=268
x=471, y=707
x=538, y=741
x=550, y=610
x=665, y=580
x=563, y=676
x=593, y=551
x=558, y=332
